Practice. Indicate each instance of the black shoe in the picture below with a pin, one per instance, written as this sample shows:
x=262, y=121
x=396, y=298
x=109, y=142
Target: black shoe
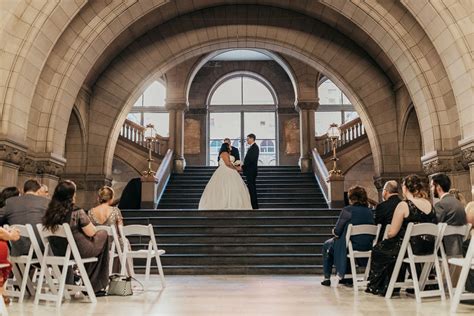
x=410, y=291
x=100, y=293
x=347, y=282
x=326, y=282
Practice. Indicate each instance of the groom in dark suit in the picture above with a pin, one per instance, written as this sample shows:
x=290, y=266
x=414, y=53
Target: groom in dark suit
x=250, y=169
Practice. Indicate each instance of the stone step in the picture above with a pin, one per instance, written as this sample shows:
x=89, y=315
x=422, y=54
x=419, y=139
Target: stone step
x=311, y=199
x=242, y=229
x=236, y=269
x=231, y=213
x=233, y=248
x=194, y=206
x=163, y=238
x=237, y=259
x=267, y=220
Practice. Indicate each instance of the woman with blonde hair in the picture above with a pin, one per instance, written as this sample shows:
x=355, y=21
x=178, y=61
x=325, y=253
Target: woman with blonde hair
x=415, y=208
x=105, y=213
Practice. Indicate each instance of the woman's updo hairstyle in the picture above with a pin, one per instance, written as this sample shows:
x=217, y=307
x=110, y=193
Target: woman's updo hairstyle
x=106, y=194
x=416, y=186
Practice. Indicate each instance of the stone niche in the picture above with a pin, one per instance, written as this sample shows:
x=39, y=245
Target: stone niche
x=192, y=137
x=292, y=136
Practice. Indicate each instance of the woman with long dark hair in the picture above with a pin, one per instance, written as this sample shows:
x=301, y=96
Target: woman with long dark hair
x=8, y=193
x=415, y=208
x=226, y=190
x=90, y=242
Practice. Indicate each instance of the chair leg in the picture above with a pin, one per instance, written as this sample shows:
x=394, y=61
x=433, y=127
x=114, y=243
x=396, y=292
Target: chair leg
x=416, y=284
x=87, y=282
x=447, y=275
x=393, y=278
x=39, y=285
x=147, y=270
x=160, y=270
x=459, y=288
x=62, y=286
x=354, y=273
x=439, y=276
x=24, y=282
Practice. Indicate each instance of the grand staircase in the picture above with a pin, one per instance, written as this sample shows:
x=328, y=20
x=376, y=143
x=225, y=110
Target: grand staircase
x=284, y=237
x=277, y=187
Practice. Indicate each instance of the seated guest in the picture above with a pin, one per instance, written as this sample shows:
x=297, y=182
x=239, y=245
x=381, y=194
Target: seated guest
x=470, y=220
x=5, y=195
x=91, y=243
x=415, y=208
x=334, y=249
x=448, y=210
x=26, y=209
x=106, y=214
x=458, y=195
x=5, y=235
x=44, y=191
x=8, y=193
x=384, y=211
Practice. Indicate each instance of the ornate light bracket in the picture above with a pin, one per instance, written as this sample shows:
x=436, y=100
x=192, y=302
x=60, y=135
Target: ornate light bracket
x=334, y=133
x=149, y=138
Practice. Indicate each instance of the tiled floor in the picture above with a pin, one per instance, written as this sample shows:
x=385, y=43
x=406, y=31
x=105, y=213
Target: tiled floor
x=244, y=295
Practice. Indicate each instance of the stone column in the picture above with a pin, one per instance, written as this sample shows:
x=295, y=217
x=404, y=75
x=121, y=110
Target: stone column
x=336, y=190
x=176, y=140
x=307, y=133
x=11, y=156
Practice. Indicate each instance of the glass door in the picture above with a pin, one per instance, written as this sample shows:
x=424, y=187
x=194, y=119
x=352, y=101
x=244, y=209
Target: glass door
x=263, y=125
x=223, y=125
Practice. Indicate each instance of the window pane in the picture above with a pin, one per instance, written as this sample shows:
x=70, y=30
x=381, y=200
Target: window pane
x=222, y=125
x=349, y=116
x=139, y=101
x=134, y=117
x=345, y=100
x=263, y=126
x=329, y=93
x=160, y=120
x=256, y=92
x=324, y=119
x=155, y=95
x=229, y=92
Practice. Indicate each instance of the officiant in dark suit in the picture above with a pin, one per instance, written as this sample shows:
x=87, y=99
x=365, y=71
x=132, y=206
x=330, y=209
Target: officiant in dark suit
x=233, y=151
x=250, y=169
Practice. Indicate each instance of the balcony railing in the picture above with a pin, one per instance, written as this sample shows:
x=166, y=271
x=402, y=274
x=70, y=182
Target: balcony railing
x=350, y=132
x=267, y=155
x=136, y=133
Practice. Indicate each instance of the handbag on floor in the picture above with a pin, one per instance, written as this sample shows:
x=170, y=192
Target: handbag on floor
x=121, y=285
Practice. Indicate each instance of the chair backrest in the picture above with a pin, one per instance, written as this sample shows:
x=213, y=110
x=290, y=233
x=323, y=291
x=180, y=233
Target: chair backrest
x=63, y=231
x=463, y=230
x=423, y=229
x=112, y=232
x=27, y=231
x=137, y=230
x=365, y=229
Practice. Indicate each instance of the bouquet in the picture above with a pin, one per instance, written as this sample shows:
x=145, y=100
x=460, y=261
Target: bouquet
x=237, y=163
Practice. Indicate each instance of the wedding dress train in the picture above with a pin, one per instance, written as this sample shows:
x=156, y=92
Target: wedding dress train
x=225, y=191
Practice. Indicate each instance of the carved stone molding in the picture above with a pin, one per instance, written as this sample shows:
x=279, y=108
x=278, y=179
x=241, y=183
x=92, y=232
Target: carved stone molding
x=41, y=167
x=12, y=154
x=87, y=182
x=286, y=110
x=197, y=111
x=436, y=165
x=467, y=157
x=312, y=105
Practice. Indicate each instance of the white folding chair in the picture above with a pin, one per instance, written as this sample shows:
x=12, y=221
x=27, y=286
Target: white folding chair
x=467, y=264
x=354, y=230
x=427, y=261
x=151, y=252
x=21, y=265
x=115, y=250
x=71, y=257
x=451, y=231
x=3, y=307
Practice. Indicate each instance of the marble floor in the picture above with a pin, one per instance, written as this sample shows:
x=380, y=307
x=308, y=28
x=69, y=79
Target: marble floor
x=243, y=295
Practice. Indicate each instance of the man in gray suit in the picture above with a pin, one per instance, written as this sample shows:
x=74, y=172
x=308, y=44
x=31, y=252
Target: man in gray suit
x=448, y=210
x=26, y=209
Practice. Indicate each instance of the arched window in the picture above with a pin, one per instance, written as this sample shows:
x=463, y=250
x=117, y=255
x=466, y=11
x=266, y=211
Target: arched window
x=267, y=146
x=150, y=108
x=242, y=90
x=334, y=107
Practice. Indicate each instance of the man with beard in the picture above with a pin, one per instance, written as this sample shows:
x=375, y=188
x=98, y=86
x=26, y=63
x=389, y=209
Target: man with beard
x=448, y=210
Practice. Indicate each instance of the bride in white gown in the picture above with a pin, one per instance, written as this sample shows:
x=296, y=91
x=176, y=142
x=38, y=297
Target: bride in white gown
x=226, y=190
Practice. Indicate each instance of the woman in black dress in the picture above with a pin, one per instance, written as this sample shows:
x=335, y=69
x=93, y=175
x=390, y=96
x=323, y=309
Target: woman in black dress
x=416, y=208
x=90, y=242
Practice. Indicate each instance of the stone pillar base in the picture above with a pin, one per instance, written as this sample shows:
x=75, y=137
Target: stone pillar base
x=8, y=174
x=148, y=192
x=336, y=190
x=179, y=165
x=305, y=165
